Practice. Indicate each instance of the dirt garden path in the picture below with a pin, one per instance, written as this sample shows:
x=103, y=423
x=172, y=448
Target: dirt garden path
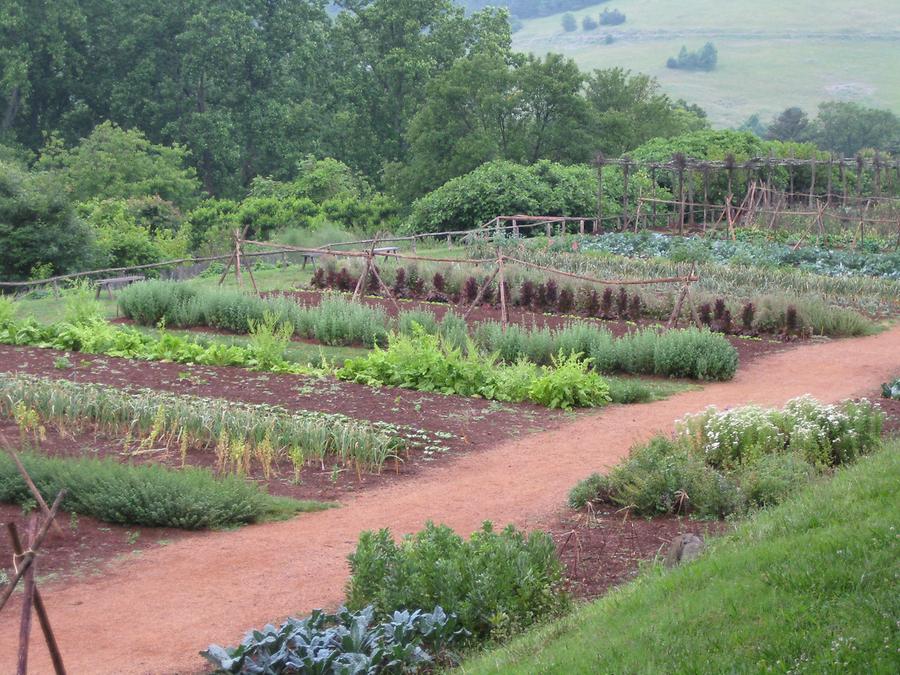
x=154, y=613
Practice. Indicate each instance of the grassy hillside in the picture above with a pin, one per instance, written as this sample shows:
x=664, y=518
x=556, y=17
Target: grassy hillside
x=809, y=586
x=772, y=54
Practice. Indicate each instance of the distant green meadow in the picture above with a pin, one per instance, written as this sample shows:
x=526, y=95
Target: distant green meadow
x=772, y=54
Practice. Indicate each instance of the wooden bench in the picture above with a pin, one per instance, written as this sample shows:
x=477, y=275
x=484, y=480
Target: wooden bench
x=384, y=250
x=310, y=257
x=117, y=282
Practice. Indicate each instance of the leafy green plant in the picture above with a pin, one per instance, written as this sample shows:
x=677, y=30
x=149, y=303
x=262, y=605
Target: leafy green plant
x=344, y=642
x=80, y=305
x=428, y=363
x=891, y=389
x=147, y=495
x=7, y=311
x=569, y=384
x=496, y=582
x=269, y=339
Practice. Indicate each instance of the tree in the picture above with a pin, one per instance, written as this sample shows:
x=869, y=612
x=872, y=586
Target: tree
x=115, y=163
x=792, y=124
x=629, y=109
x=588, y=23
x=568, y=22
x=846, y=128
x=495, y=106
x=38, y=226
x=705, y=58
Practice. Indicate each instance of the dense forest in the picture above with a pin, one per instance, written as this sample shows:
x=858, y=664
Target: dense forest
x=135, y=131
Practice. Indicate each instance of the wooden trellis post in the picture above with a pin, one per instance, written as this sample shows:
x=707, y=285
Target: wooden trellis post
x=626, y=169
x=598, y=224
x=679, y=161
x=653, y=196
x=504, y=314
x=812, y=180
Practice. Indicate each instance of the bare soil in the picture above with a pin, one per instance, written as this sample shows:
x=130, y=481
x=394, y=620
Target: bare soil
x=153, y=613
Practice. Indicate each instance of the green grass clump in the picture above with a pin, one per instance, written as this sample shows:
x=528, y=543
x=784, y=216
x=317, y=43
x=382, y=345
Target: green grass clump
x=690, y=352
x=147, y=495
x=724, y=462
x=807, y=586
x=496, y=582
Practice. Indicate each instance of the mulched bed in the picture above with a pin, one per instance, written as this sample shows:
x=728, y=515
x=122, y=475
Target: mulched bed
x=891, y=410
x=748, y=348
x=606, y=548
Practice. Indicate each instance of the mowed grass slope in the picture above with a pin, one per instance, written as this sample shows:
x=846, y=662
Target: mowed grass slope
x=772, y=54
x=809, y=586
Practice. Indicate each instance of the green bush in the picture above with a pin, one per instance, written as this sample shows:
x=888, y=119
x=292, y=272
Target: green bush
x=723, y=462
x=695, y=353
x=496, y=582
x=147, y=495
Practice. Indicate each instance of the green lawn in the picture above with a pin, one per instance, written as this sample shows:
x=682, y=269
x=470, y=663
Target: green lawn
x=771, y=54
x=809, y=586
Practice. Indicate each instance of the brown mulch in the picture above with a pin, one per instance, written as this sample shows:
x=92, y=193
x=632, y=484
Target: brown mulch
x=891, y=409
x=606, y=548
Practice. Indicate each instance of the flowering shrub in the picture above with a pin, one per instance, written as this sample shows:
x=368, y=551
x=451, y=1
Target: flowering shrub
x=725, y=461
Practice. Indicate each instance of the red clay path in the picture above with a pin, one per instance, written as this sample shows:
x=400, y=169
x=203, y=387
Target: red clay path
x=153, y=614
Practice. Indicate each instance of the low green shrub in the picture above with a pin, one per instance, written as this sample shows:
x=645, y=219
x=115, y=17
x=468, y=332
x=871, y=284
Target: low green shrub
x=698, y=354
x=496, y=582
x=148, y=495
x=345, y=642
x=428, y=363
x=723, y=462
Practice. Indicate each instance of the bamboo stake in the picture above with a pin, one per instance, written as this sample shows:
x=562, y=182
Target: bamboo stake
x=28, y=557
x=27, y=603
x=504, y=315
x=40, y=608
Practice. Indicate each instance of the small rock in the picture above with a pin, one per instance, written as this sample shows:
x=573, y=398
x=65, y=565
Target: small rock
x=684, y=548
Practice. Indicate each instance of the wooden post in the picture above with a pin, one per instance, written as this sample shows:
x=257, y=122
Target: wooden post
x=384, y=287
x=653, y=195
x=237, y=259
x=859, y=207
x=626, y=169
x=504, y=314
x=830, y=178
x=812, y=181
x=705, y=195
x=680, y=199
x=581, y=226
x=27, y=602
x=599, y=222
x=515, y=227
x=843, y=176
x=690, y=182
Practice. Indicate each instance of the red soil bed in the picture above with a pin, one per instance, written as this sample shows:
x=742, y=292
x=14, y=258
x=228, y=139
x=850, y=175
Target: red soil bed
x=606, y=548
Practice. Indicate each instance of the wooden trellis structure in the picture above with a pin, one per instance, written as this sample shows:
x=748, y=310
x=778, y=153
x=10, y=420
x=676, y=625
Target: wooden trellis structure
x=24, y=571
x=496, y=265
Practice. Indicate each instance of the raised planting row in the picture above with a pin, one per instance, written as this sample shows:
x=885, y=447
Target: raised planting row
x=239, y=433
x=147, y=495
x=430, y=363
x=823, y=301
x=687, y=353
x=724, y=462
x=529, y=291
x=828, y=262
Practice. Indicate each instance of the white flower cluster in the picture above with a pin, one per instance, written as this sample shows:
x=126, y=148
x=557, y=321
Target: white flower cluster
x=820, y=432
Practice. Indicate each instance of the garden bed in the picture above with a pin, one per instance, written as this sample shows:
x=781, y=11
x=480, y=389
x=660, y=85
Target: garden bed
x=748, y=348
x=606, y=548
x=470, y=423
